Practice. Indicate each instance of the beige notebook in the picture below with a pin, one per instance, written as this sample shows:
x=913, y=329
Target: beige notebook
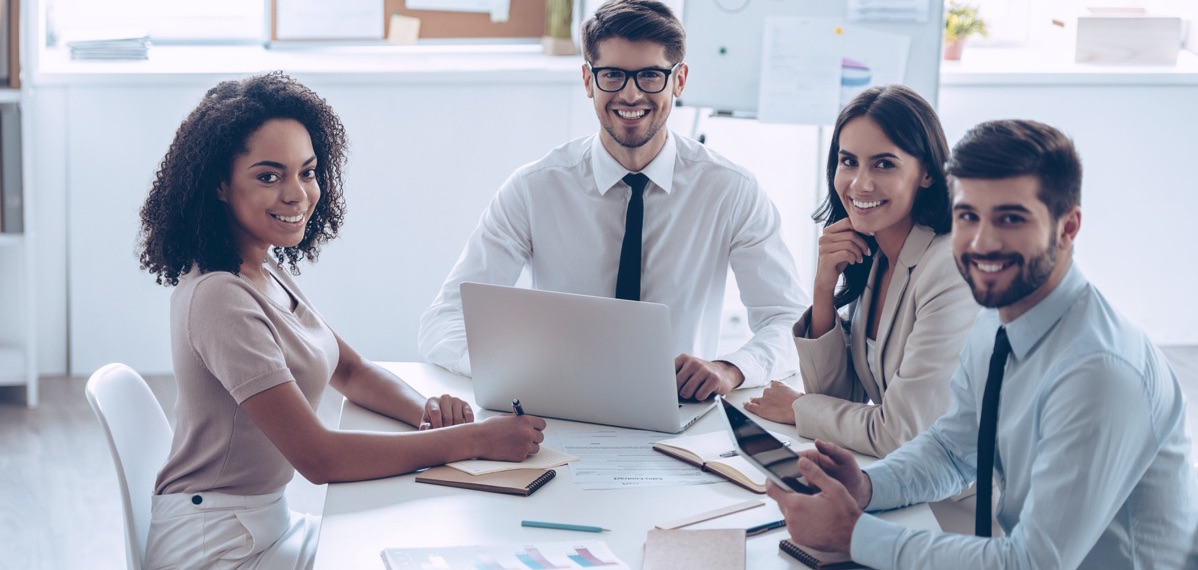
x=714, y=452
x=513, y=481
x=676, y=549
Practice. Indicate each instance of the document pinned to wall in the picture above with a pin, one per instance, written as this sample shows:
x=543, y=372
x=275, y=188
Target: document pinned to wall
x=323, y=20
x=914, y=11
x=498, y=9
x=871, y=57
x=800, y=71
x=812, y=67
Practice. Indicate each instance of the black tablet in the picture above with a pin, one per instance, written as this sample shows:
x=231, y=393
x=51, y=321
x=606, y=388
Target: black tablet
x=766, y=452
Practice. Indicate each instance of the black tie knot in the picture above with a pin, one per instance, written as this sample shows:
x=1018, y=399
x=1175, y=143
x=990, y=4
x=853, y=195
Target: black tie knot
x=1002, y=347
x=637, y=182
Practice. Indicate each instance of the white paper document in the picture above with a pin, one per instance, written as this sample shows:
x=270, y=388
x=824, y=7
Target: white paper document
x=870, y=57
x=890, y=10
x=800, y=71
x=544, y=459
x=323, y=20
x=619, y=459
x=498, y=9
x=572, y=554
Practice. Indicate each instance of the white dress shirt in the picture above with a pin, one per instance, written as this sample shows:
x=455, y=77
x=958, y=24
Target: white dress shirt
x=563, y=216
x=1092, y=455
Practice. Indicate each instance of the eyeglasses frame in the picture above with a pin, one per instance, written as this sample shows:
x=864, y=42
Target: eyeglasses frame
x=632, y=73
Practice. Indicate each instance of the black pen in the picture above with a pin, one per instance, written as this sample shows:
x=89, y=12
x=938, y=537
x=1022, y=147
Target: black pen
x=516, y=406
x=764, y=527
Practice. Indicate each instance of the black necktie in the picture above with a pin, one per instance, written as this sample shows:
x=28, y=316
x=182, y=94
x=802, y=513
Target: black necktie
x=628, y=280
x=988, y=431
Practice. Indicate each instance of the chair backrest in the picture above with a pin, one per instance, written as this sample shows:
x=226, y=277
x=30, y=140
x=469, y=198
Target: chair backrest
x=139, y=437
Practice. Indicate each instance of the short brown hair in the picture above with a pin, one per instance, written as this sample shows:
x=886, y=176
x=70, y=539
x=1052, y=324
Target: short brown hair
x=635, y=20
x=1012, y=147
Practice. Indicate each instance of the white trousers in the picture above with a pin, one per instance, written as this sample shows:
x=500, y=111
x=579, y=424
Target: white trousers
x=217, y=530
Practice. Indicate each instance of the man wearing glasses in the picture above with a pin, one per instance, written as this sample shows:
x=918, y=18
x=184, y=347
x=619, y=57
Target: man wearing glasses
x=640, y=213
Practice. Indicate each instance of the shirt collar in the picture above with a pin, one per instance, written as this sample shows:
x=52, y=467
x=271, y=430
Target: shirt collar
x=1026, y=330
x=608, y=172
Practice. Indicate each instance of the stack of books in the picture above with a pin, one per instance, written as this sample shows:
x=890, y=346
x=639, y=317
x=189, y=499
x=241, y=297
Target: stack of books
x=110, y=46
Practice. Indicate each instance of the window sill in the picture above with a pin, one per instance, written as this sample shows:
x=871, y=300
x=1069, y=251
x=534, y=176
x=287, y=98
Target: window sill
x=1007, y=66
x=365, y=63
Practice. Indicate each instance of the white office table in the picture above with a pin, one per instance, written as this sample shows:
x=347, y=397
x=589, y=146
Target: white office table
x=362, y=518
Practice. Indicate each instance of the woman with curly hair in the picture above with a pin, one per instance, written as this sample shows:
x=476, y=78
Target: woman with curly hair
x=252, y=183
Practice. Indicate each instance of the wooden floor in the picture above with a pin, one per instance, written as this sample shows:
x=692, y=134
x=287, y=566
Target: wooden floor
x=59, y=504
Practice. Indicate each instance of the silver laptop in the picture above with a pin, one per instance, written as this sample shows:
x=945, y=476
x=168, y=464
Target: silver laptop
x=575, y=357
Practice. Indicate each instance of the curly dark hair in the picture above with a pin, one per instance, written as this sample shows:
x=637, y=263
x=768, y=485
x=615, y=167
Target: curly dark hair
x=184, y=224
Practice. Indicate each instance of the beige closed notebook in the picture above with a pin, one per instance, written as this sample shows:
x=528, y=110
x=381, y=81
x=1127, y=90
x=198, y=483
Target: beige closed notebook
x=714, y=549
x=512, y=482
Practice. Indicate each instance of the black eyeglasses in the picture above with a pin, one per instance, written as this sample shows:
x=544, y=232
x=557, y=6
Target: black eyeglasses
x=649, y=79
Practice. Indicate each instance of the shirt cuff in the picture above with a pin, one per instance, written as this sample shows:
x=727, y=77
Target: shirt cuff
x=754, y=373
x=885, y=484
x=874, y=542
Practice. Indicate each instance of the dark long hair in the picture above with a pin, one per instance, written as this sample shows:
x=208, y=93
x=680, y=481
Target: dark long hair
x=182, y=221
x=911, y=123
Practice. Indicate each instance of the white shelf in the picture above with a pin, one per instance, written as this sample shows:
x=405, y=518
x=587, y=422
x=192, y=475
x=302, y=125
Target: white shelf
x=10, y=95
x=11, y=240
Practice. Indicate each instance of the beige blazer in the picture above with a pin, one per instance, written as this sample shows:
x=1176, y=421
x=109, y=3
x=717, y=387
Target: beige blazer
x=926, y=316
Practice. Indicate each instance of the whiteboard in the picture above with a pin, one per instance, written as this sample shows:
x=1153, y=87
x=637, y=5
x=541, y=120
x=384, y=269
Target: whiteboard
x=724, y=48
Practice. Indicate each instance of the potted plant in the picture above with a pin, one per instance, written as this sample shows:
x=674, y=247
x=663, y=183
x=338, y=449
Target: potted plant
x=559, y=22
x=960, y=21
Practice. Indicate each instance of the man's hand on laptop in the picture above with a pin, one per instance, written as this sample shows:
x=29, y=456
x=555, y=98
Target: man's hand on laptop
x=700, y=379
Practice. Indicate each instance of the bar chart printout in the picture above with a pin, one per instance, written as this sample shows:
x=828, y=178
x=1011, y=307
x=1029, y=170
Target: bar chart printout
x=536, y=556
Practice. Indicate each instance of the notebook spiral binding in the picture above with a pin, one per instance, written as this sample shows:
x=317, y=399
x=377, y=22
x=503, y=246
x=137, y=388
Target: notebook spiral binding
x=539, y=481
x=793, y=550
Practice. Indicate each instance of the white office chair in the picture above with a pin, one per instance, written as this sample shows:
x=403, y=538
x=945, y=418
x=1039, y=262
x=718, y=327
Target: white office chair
x=139, y=437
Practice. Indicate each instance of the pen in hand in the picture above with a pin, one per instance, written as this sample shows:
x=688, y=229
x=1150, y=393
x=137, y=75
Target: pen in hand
x=517, y=407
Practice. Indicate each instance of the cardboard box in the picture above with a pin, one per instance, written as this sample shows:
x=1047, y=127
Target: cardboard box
x=1127, y=38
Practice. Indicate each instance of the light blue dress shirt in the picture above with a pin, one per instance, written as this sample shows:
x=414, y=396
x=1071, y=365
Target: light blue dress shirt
x=1093, y=460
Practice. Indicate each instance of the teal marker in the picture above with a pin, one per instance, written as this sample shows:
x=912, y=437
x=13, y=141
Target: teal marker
x=564, y=526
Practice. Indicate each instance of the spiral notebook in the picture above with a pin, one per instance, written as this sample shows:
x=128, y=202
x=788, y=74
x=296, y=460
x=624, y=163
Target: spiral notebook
x=818, y=559
x=513, y=481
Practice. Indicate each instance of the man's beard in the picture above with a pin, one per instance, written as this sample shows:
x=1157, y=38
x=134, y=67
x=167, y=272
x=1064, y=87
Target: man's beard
x=1032, y=274
x=624, y=140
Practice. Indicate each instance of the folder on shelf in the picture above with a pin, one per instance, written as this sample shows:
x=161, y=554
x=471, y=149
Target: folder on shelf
x=513, y=481
x=11, y=202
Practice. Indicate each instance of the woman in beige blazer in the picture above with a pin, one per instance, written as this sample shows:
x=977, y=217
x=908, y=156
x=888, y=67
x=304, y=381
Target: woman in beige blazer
x=878, y=375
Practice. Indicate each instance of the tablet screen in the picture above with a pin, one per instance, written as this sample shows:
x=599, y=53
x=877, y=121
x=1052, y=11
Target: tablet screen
x=765, y=451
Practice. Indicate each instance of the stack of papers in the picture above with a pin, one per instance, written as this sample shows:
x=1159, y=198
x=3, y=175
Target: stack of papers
x=111, y=46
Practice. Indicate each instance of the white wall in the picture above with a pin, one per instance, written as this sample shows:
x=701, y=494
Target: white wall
x=1138, y=193
x=426, y=157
